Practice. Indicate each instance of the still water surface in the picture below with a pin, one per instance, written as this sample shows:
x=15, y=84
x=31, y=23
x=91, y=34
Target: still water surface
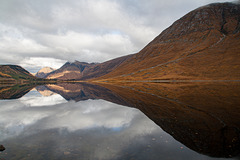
x=85, y=121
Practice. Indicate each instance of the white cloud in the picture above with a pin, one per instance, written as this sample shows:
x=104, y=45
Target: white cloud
x=22, y=46
x=79, y=45
x=34, y=63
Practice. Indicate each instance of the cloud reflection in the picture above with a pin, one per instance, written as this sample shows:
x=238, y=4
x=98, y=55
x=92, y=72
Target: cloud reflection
x=22, y=116
x=35, y=99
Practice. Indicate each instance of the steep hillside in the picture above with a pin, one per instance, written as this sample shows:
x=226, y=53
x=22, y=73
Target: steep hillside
x=204, y=44
x=42, y=73
x=11, y=73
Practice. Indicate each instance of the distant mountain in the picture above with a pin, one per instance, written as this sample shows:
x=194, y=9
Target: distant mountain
x=42, y=73
x=83, y=71
x=11, y=73
x=70, y=71
x=204, y=44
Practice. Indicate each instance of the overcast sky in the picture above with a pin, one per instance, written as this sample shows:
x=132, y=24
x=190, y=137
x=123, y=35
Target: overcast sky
x=39, y=33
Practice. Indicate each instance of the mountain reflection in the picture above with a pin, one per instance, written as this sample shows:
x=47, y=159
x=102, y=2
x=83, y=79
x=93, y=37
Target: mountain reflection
x=12, y=91
x=204, y=117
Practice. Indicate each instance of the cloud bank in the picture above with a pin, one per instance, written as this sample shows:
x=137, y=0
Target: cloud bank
x=42, y=33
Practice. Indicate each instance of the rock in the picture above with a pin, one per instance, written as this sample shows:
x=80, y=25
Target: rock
x=2, y=148
x=66, y=153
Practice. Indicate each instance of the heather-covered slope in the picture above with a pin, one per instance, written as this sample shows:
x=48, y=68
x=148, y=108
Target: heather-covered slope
x=204, y=44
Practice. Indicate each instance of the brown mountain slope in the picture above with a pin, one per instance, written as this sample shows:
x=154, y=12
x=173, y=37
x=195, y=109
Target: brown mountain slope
x=204, y=44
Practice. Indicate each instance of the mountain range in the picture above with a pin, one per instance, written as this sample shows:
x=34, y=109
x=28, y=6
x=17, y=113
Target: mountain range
x=83, y=71
x=202, y=45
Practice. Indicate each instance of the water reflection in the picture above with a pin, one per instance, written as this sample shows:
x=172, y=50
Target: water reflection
x=94, y=124
x=41, y=98
x=71, y=116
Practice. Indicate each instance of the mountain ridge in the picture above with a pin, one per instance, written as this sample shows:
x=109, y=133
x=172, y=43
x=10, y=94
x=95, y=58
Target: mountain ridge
x=189, y=48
